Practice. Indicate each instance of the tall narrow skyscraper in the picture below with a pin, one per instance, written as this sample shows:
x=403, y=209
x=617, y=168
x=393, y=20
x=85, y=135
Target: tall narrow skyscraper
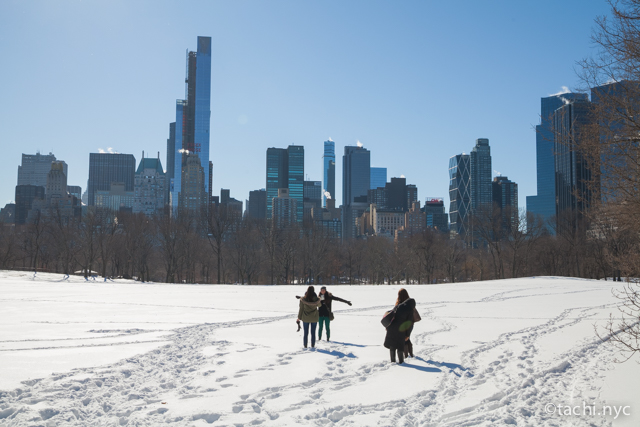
x=459, y=193
x=277, y=177
x=573, y=192
x=329, y=168
x=193, y=119
x=544, y=203
x=171, y=159
x=296, y=178
x=505, y=198
x=356, y=179
x=480, y=167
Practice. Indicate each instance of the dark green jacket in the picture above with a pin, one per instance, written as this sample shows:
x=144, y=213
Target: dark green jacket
x=308, y=311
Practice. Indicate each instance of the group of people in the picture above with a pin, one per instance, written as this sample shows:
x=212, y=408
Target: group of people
x=316, y=309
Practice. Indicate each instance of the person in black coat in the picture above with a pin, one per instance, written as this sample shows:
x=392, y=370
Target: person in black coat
x=325, y=310
x=400, y=328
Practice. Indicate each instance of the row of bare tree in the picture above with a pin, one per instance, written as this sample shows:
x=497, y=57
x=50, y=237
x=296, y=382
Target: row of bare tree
x=221, y=247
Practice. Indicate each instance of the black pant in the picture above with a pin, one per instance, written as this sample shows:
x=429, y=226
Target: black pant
x=400, y=352
x=305, y=325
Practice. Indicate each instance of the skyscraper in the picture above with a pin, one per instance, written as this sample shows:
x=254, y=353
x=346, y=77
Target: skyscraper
x=329, y=168
x=544, y=203
x=573, y=194
x=257, y=205
x=285, y=169
x=356, y=180
x=378, y=178
x=193, y=118
x=56, y=183
x=397, y=194
x=171, y=159
x=296, y=178
x=284, y=209
x=193, y=197
x=149, y=187
x=35, y=169
x=480, y=168
x=459, y=193
x=25, y=196
x=106, y=168
x=505, y=198
x=277, y=177
x=435, y=214
x=312, y=198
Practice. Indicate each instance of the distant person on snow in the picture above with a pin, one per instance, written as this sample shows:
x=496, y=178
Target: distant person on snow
x=308, y=313
x=400, y=328
x=325, y=310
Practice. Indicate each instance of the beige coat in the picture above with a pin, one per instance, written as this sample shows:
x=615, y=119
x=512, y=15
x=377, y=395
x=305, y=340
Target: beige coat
x=308, y=311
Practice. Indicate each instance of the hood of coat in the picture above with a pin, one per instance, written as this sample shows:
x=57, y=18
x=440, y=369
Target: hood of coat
x=314, y=303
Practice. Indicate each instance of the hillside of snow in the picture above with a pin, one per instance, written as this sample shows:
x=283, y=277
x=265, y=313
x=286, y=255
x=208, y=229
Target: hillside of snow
x=511, y=352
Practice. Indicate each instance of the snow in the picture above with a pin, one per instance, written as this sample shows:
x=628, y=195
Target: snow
x=76, y=352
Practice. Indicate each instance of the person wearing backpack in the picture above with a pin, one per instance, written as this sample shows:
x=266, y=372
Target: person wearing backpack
x=308, y=313
x=400, y=328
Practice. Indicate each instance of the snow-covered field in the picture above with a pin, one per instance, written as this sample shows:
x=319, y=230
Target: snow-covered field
x=487, y=353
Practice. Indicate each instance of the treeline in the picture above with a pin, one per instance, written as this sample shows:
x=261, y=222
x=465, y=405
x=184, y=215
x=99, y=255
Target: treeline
x=222, y=247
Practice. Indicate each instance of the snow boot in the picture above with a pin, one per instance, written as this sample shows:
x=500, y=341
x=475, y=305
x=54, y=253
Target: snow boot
x=408, y=349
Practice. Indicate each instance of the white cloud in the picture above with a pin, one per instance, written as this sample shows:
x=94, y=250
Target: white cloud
x=563, y=90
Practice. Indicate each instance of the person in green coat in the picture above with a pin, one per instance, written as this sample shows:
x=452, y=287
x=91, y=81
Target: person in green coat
x=308, y=313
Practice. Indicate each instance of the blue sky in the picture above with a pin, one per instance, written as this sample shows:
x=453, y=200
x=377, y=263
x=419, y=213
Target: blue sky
x=415, y=81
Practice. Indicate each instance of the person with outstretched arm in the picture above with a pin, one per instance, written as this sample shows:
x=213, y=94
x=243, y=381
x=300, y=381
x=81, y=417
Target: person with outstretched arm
x=325, y=312
x=326, y=298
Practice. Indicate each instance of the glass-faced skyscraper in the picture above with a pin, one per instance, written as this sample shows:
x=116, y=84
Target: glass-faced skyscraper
x=356, y=179
x=378, y=178
x=329, y=169
x=285, y=169
x=108, y=168
x=277, y=163
x=573, y=193
x=480, y=168
x=544, y=203
x=296, y=178
x=459, y=192
x=193, y=118
x=505, y=198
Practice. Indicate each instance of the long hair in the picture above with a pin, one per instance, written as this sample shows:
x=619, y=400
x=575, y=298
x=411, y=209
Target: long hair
x=310, y=295
x=403, y=295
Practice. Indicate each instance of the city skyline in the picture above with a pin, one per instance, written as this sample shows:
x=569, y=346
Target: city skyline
x=127, y=95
